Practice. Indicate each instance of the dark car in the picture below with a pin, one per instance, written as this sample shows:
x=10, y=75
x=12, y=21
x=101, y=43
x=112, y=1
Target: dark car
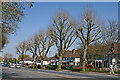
x=6, y=65
x=2, y=64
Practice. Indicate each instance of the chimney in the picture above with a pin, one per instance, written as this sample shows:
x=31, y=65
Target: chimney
x=73, y=51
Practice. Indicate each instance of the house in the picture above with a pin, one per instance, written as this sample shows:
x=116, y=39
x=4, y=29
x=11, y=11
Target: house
x=69, y=58
x=46, y=61
x=114, y=54
x=54, y=60
x=29, y=60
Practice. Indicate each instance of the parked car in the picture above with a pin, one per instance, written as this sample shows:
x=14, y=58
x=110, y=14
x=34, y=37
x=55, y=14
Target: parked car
x=8, y=65
x=17, y=66
x=12, y=66
x=2, y=63
x=30, y=66
x=5, y=65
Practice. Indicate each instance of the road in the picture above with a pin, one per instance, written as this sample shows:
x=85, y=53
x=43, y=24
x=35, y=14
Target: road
x=27, y=74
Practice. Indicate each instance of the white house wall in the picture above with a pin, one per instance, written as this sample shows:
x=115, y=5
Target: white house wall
x=46, y=62
x=77, y=60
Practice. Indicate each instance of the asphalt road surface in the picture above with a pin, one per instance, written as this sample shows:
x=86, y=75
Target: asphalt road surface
x=37, y=74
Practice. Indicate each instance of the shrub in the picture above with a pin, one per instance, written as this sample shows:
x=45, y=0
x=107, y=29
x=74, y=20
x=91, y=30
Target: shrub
x=119, y=72
x=39, y=66
x=52, y=67
x=63, y=67
x=77, y=68
x=67, y=68
x=89, y=67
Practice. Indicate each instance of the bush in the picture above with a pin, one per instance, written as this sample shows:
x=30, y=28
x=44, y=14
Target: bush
x=47, y=66
x=67, y=68
x=39, y=66
x=63, y=67
x=89, y=67
x=119, y=72
x=77, y=68
x=52, y=67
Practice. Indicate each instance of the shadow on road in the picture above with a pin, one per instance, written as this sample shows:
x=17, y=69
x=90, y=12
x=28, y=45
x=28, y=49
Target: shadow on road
x=8, y=75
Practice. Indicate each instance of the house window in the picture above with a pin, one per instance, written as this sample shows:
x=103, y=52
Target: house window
x=63, y=59
x=67, y=58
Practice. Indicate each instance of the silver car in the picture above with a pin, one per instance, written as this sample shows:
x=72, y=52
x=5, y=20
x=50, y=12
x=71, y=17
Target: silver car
x=12, y=66
x=17, y=66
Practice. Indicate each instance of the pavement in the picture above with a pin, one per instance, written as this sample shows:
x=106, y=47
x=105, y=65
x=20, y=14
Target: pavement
x=23, y=73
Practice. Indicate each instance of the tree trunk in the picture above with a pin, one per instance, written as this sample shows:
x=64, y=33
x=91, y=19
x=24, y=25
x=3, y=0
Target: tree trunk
x=60, y=61
x=84, y=58
x=34, y=65
x=22, y=60
x=102, y=64
x=0, y=37
x=42, y=67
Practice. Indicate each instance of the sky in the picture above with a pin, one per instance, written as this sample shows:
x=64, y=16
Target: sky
x=40, y=17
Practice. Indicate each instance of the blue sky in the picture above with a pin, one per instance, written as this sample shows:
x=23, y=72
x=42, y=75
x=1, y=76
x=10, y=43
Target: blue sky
x=40, y=16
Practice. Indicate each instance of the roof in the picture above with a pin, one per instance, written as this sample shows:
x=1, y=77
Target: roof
x=28, y=59
x=46, y=59
x=73, y=53
x=98, y=49
x=52, y=57
x=116, y=48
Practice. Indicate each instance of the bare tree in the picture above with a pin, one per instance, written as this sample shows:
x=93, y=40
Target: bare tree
x=111, y=31
x=111, y=38
x=21, y=49
x=62, y=33
x=44, y=44
x=32, y=48
x=7, y=57
x=88, y=31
